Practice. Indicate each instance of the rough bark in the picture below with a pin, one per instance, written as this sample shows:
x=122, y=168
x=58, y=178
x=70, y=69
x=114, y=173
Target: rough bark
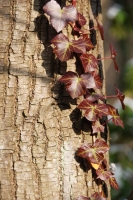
x=40, y=127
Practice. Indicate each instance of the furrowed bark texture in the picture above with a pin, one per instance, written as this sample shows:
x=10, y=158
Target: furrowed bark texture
x=40, y=127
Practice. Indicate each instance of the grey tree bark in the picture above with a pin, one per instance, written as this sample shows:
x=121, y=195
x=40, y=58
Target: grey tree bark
x=40, y=127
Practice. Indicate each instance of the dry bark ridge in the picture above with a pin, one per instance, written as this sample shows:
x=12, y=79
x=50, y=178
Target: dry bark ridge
x=38, y=137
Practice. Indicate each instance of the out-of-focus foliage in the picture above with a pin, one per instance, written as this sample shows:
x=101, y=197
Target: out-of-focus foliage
x=128, y=78
x=121, y=154
x=122, y=21
x=121, y=28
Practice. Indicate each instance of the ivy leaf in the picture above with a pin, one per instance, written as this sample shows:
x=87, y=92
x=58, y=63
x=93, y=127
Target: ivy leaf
x=115, y=116
x=98, y=82
x=97, y=196
x=60, y=17
x=75, y=85
x=94, y=96
x=89, y=62
x=113, y=55
x=93, y=153
x=93, y=110
x=78, y=46
x=121, y=97
x=97, y=127
x=63, y=47
x=81, y=20
x=88, y=80
x=103, y=174
x=113, y=183
x=100, y=28
x=88, y=42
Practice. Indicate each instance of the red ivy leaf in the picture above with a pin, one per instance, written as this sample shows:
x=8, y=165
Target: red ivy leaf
x=103, y=174
x=115, y=116
x=121, y=97
x=78, y=46
x=93, y=110
x=88, y=80
x=98, y=82
x=81, y=20
x=75, y=85
x=60, y=18
x=113, y=183
x=88, y=42
x=113, y=55
x=93, y=153
x=97, y=196
x=89, y=62
x=94, y=97
x=100, y=28
x=101, y=146
x=63, y=47
x=97, y=127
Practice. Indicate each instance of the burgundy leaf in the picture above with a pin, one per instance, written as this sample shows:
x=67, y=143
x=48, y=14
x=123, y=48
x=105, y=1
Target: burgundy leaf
x=113, y=183
x=113, y=55
x=88, y=80
x=78, y=46
x=94, y=96
x=90, y=154
x=60, y=18
x=97, y=127
x=121, y=97
x=81, y=20
x=98, y=82
x=113, y=52
x=115, y=64
x=59, y=39
x=102, y=110
x=91, y=114
x=103, y=174
x=115, y=116
x=90, y=108
x=97, y=196
x=100, y=28
x=93, y=153
x=63, y=47
x=93, y=110
x=88, y=42
x=89, y=62
x=74, y=84
x=101, y=145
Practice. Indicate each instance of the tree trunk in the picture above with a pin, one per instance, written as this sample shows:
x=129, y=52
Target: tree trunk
x=40, y=127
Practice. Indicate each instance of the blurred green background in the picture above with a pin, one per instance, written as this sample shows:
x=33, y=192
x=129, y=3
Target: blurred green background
x=118, y=27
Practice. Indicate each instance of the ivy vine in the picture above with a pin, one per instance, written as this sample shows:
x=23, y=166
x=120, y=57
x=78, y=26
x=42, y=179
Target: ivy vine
x=86, y=85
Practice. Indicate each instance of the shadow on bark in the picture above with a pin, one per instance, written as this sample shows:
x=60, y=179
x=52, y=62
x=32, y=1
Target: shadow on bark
x=52, y=65
x=84, y=164
x=79, y=123
x=96, y=7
